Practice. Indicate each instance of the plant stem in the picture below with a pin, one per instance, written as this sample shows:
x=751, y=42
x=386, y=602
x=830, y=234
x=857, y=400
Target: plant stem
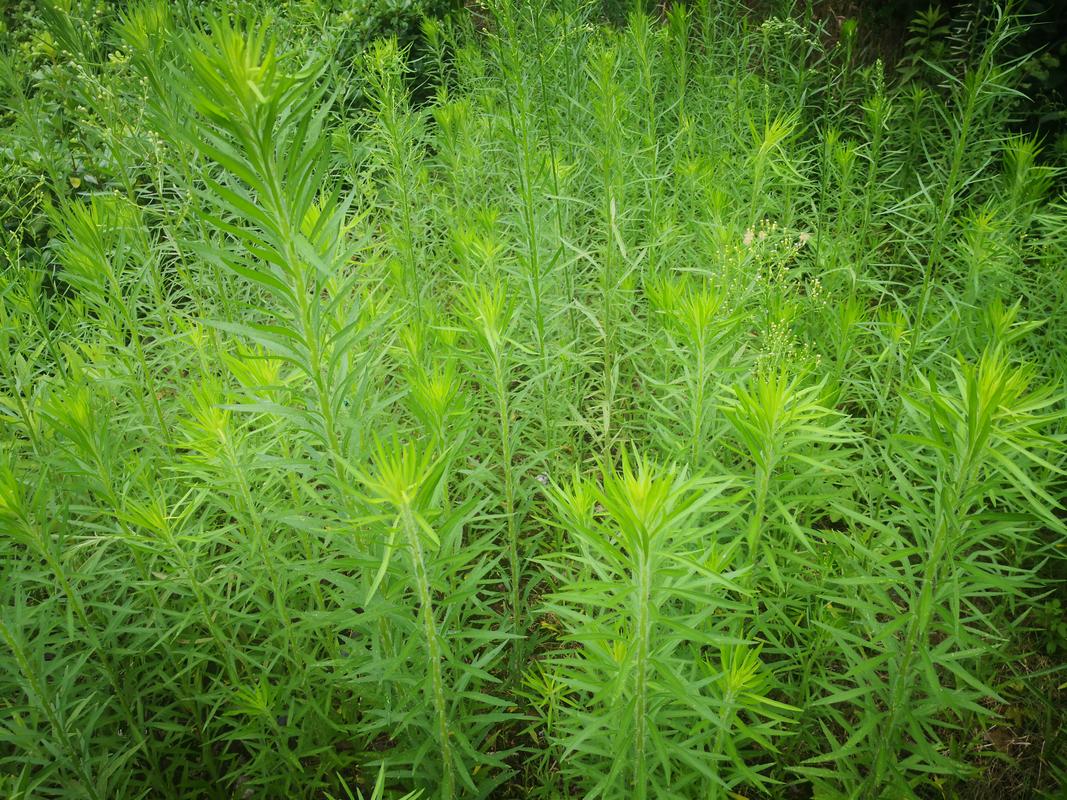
x=433, y=648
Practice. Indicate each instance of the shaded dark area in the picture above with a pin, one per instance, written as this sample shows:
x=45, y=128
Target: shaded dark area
x=891, y=29
x=894, y=30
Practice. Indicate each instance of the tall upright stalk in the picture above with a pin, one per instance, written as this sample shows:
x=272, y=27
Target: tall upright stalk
x=608, y=106
x=974, y=94
x=431, y=635
x=398, y=128
x=530, y=164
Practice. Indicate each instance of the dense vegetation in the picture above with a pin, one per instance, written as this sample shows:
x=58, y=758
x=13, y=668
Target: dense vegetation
x=547, y=409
